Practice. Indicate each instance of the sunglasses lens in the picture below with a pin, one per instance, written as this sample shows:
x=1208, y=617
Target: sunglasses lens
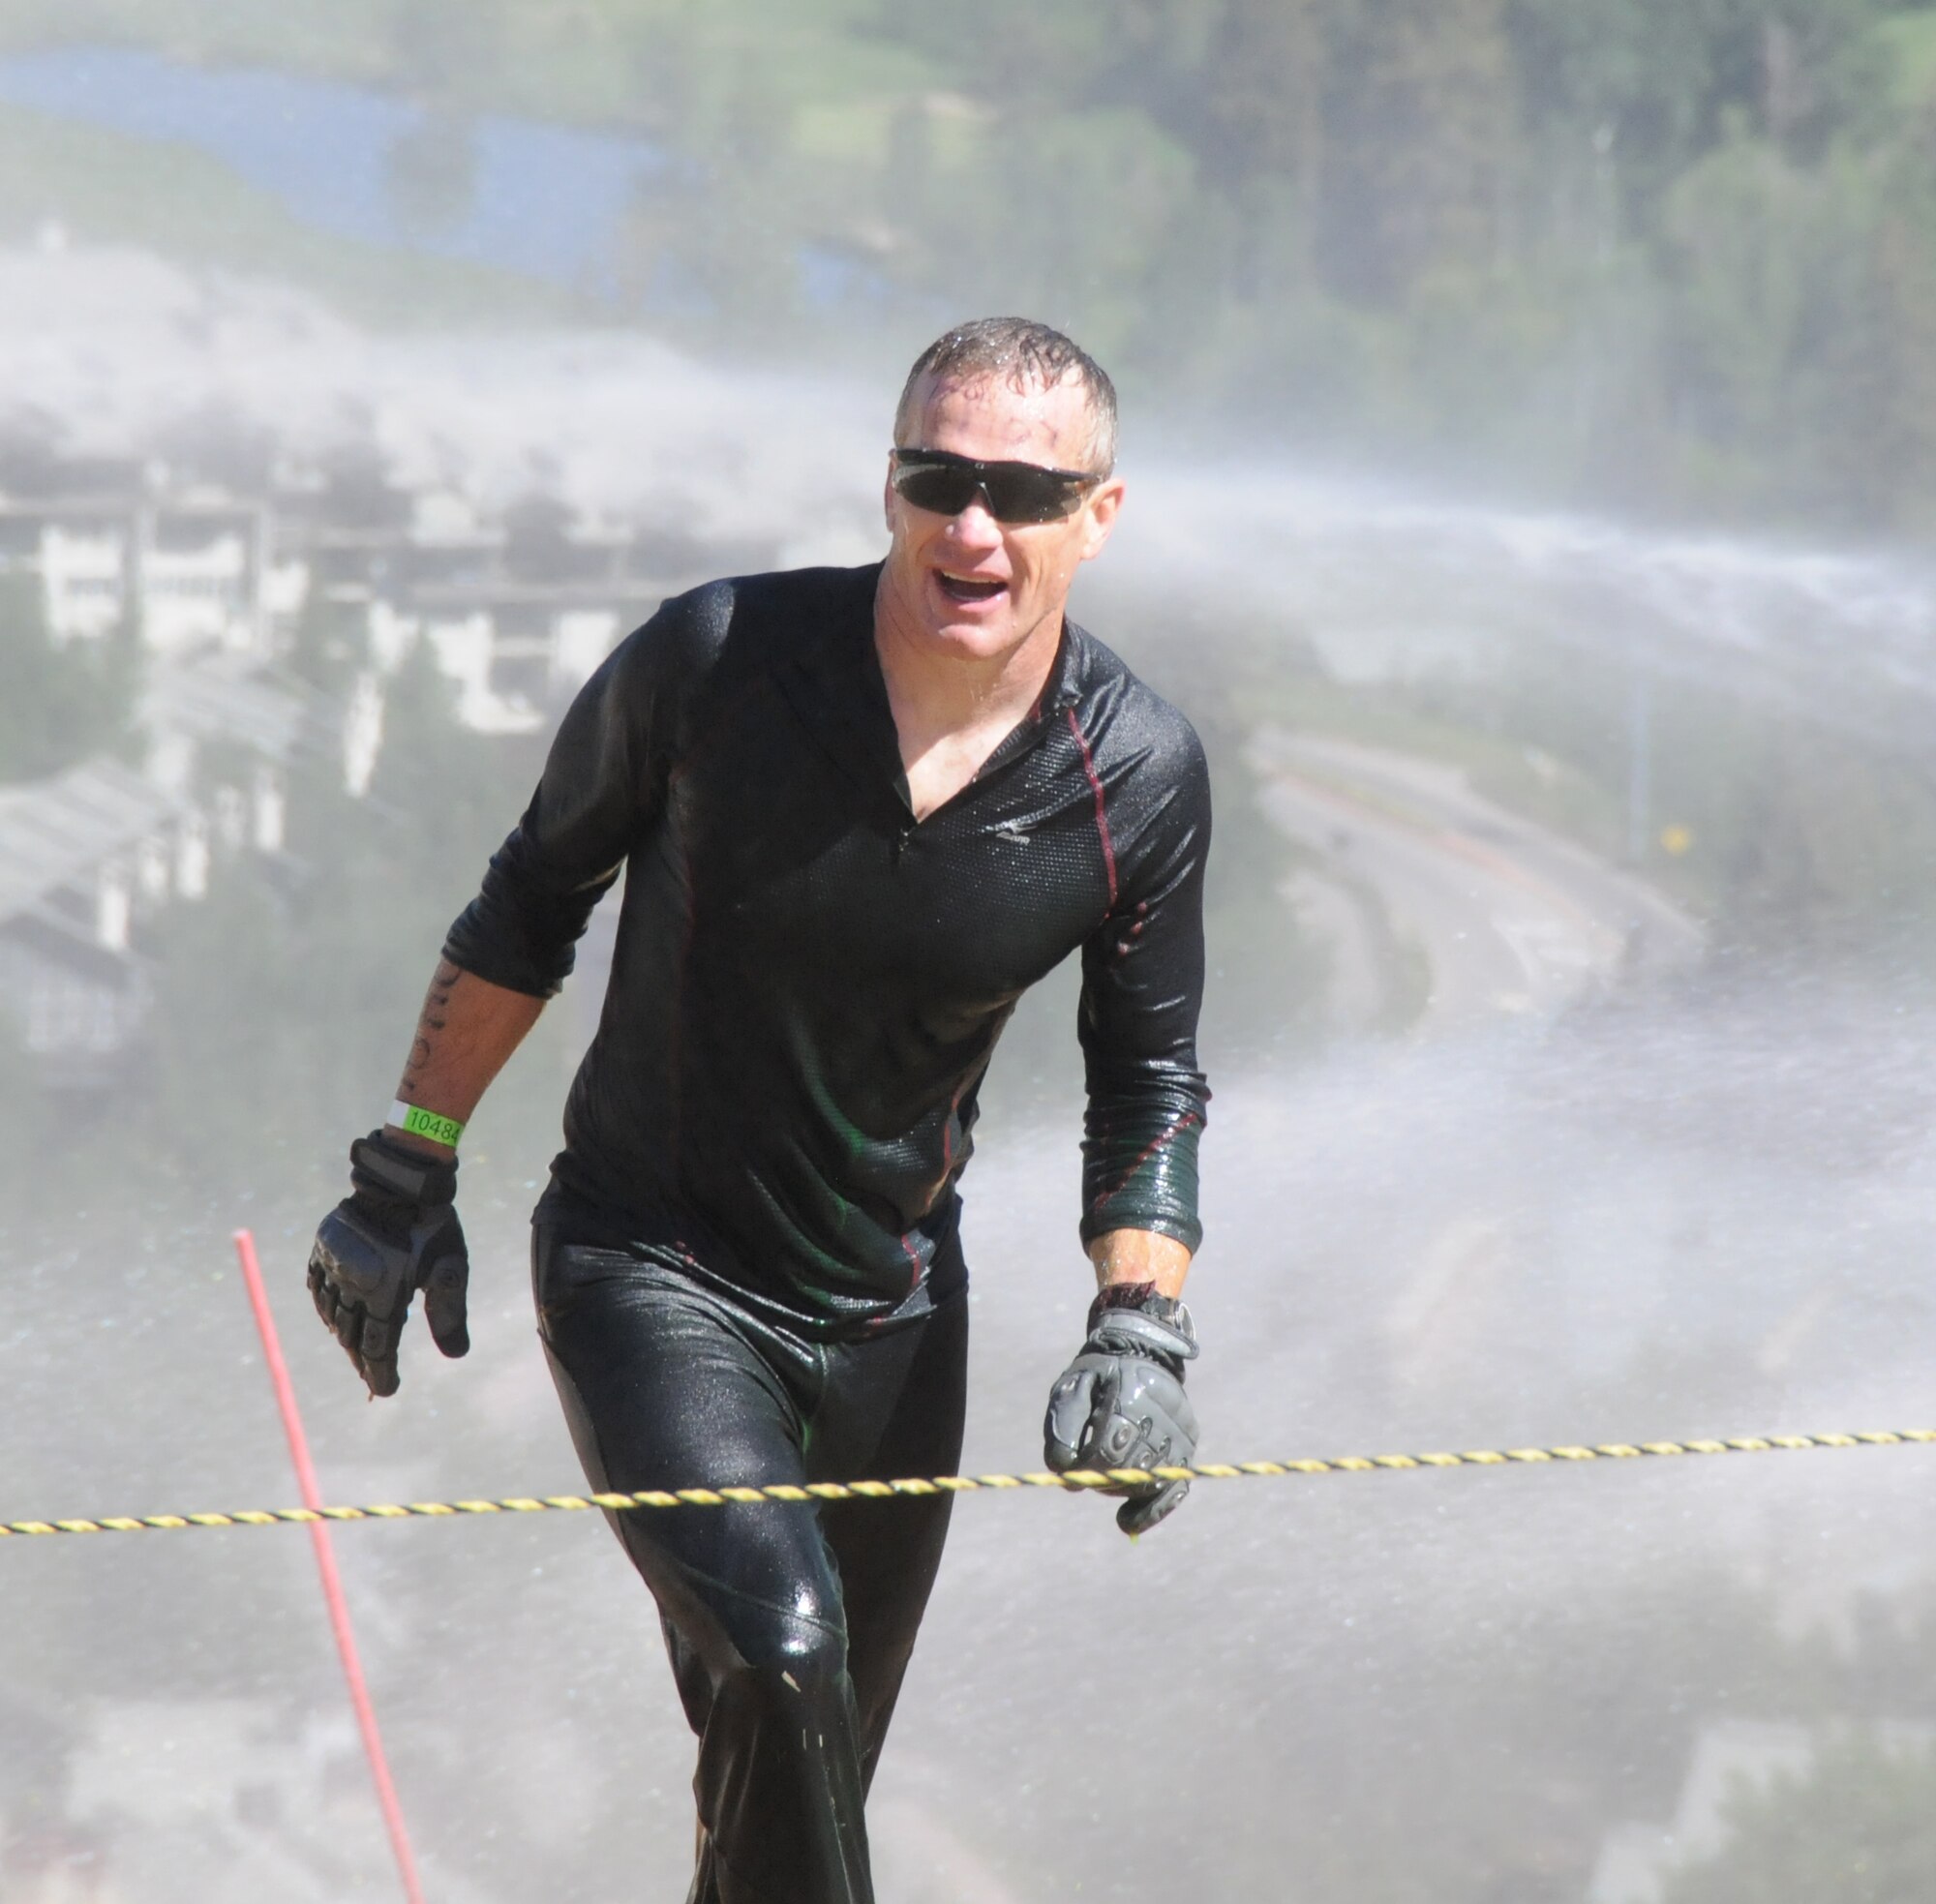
x=946, y=492
x=1029, y=495
x=1015, y=493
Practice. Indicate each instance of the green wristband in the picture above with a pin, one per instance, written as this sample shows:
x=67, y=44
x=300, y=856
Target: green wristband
x=425, y=1123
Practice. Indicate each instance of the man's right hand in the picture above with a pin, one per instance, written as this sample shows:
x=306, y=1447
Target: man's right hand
x=395, y=1233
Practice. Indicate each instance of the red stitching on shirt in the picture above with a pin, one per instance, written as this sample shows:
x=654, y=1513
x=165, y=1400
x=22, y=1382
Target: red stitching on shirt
x=959, y=1092
x=1122, y=1183
x=1101, y=816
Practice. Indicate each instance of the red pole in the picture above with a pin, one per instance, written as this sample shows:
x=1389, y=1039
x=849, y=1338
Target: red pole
x=325, y=1565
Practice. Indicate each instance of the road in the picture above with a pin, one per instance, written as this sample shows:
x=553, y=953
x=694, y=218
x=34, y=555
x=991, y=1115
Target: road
x=1439, y=906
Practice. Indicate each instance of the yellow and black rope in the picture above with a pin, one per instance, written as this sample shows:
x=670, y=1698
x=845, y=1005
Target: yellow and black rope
x=1076, y=1480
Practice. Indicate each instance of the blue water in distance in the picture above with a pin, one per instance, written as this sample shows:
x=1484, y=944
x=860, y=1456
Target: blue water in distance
x=547, y=201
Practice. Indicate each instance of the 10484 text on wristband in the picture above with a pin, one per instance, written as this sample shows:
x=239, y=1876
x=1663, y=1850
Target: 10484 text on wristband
x=425, y=1123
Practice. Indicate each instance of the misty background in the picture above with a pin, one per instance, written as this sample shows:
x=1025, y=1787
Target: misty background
x=1530, y=419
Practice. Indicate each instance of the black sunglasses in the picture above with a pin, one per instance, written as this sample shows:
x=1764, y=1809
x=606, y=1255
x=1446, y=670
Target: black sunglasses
x=939, y=480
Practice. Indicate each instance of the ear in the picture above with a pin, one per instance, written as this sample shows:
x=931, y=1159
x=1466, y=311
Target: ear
x=888, y=495
x=1100, y=513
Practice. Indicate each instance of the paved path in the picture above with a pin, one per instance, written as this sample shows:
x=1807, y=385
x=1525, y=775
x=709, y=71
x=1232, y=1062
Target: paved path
x=1505, y=916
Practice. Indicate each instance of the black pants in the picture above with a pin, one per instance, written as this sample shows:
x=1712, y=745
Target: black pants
x=789, y=1626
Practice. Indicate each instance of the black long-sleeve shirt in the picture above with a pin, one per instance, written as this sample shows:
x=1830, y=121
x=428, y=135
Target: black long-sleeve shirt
x=808, y=983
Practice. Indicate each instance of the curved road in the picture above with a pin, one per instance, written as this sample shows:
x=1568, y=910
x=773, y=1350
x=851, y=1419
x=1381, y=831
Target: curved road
x=1442, y=907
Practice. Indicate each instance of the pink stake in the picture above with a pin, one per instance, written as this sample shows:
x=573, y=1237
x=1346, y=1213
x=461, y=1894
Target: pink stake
x=325, y=1565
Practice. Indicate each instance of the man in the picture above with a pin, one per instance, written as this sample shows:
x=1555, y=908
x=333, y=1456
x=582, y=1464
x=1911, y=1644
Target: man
x=863, y=810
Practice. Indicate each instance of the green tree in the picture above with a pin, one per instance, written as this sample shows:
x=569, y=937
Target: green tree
x=328, y=642
x=59, y=702
x=1260, y=91
x=1752, y=240
x=1419, y=119
x=1799, y=346
x=1659, y=81
x=1860, y=1827
x=1867, y=383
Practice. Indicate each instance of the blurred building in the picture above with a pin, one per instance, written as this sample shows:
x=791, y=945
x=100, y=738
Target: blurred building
x=193, y=572
x=518, y=612
x=518, y=606
x=90, y=856
x=79, y=856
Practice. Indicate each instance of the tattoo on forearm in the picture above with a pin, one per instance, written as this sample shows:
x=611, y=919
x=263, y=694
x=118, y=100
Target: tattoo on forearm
x=437, y=1001
x=431, y=1018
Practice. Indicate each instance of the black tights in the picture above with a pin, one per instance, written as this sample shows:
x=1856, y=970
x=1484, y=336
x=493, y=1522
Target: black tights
x=789, y=1625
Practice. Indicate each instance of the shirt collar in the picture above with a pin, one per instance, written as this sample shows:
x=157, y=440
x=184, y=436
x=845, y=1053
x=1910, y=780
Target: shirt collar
x=835, y=683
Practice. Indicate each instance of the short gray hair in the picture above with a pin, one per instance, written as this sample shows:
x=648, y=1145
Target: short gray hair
x=1026, y=354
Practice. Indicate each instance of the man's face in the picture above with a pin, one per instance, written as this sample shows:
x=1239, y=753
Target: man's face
x=968, y=585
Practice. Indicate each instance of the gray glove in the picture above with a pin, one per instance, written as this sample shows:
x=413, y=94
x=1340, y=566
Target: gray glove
x=395, y=1233
x=1121, y=1404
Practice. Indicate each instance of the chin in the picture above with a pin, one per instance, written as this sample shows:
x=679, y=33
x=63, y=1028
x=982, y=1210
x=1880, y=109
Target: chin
x=976, y=639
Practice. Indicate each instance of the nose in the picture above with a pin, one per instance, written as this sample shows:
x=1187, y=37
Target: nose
x=975, y=527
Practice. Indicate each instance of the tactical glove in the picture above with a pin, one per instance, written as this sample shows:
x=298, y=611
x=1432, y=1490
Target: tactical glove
x=395, y=1233
x=1121, y=1404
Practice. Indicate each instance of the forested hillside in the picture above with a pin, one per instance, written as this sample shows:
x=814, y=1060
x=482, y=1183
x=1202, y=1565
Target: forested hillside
x=1676, y=257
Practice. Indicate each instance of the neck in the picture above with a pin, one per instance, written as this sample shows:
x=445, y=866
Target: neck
x=934, y=694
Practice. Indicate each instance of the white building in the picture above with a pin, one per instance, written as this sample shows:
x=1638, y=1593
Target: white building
x=80, y=857
x=88, y=855
x=194, y=570
x=516, y=651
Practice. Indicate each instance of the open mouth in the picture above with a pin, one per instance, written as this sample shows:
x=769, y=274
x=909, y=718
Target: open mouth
x=966, y=589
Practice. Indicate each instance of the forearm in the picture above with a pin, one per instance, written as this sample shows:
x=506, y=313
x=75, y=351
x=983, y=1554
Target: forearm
x=1140, y=1255
x=467, y=1030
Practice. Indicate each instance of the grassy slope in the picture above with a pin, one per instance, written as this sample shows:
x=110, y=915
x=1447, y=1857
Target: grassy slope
x=592, y=62
x=345, y=37
x=1908, y=47
x=108, y=187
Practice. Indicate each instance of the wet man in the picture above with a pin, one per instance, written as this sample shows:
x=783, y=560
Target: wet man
x=861, y=811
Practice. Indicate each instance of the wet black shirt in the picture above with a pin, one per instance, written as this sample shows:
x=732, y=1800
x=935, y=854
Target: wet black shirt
x=808, y=983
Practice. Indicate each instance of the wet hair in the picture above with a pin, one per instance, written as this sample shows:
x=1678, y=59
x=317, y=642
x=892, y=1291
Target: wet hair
x=1027, y=353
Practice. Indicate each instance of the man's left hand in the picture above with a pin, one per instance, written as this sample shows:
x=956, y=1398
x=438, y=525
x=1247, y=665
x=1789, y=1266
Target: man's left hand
x=1121, y=1404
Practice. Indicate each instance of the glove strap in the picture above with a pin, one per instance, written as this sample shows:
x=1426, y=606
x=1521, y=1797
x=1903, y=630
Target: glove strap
x=404, y=1173
x=1132, y=1317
